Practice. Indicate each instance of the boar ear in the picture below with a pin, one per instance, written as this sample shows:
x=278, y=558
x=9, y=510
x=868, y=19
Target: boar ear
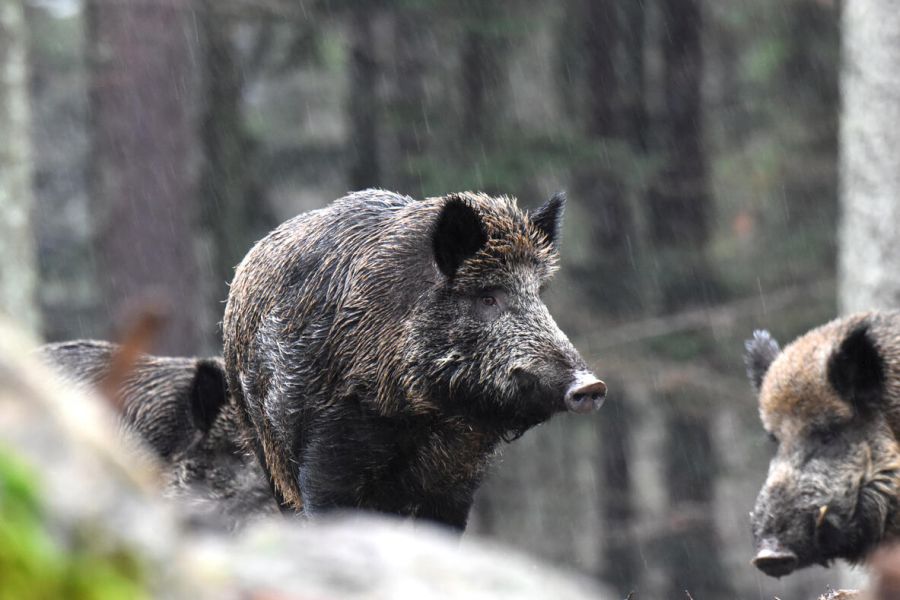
x=761, y=350
x=209, y=393
x=458, y=234
x=548, y=218
x=856, y=368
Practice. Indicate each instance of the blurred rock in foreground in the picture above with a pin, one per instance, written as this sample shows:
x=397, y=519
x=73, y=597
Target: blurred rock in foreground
x=843, y=595
x=81, y=512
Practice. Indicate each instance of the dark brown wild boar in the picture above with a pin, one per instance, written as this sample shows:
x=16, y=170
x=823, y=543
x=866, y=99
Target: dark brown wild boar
x=382, y=347
x=831, y=402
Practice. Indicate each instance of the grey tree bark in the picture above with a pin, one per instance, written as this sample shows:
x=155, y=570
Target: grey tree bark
x=18, y=277
x=868, y=256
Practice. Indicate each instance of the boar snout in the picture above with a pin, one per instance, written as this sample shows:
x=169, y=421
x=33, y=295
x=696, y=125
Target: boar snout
x=585, y=394
x=774, y=559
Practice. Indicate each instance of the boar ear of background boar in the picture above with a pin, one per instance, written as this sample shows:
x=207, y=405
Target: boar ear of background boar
x=856, y=369
x=548, y=218
x=209, y=393
x=761, y=350
x=458, y=234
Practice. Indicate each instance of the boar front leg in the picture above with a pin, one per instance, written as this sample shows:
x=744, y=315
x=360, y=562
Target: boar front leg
x=343, y=464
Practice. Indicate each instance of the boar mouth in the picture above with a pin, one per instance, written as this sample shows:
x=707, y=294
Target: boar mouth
x=866, y=528
x=583, y=394
x=867, y=524
x=851, y=537
x=777, y=559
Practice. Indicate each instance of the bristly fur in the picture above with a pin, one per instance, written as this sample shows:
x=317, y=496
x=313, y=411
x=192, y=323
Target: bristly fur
x=166, y=400
x=181, y=409
x=761, y=350
x=353, y=350
x=548, y=218
x=831, y=399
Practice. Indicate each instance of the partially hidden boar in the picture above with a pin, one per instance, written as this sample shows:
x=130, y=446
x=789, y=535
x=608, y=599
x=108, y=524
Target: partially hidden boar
x=180, y=408
x=382, y=347
x=831, y=402
x=168, y=402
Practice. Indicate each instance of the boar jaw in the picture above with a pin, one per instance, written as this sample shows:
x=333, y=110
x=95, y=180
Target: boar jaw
x=807, y=511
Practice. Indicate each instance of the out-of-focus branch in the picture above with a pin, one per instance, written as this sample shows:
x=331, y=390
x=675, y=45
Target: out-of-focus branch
x=137, y=339
x=259, y=9
x=722, y=315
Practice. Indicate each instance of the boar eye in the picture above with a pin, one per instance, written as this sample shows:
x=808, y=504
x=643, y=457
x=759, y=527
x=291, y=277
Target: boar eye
x=772, y=437
x=828, y=434
x=489, y=304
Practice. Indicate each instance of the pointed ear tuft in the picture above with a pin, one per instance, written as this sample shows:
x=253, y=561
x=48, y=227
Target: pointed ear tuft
x=209, y=393
x=458, y=234
x=761, y=351
x=548, y=218
x=856, y=368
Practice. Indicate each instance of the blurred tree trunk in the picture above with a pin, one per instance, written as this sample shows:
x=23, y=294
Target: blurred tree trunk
x=679, y=213
x=615, y=105
x=621, y=560
x=141, y=177
x=483, y=75
x=364, y=101
x=612, y=36
x=407, y=109
x=18, y=276
x=632, y=87
x=868, y=260
x=601, y=21
x=679, y=205
x=233, y=206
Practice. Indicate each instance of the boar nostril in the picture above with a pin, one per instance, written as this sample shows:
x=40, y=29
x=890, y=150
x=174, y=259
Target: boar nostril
x=586, y=394
x=775, y=560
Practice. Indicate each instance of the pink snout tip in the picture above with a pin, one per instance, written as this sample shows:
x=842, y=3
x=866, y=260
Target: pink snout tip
x=586, y=394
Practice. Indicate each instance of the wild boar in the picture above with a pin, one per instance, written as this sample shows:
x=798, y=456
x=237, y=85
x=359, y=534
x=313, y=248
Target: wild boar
x=382, y=347
x=831, y=402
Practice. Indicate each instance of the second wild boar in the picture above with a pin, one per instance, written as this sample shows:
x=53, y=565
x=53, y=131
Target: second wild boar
x=831, y=403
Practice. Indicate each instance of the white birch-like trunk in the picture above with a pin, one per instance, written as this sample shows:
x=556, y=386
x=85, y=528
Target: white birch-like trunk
x=869, y=249
x=18, y=271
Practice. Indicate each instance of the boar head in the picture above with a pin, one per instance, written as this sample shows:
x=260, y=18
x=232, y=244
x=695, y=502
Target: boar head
x=831, y=490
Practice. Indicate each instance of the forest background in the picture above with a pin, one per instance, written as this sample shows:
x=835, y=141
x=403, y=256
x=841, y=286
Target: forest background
x=146, y=144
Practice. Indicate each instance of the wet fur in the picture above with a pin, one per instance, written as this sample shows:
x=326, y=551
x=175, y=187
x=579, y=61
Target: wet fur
x=352, y=361
x=831, y=399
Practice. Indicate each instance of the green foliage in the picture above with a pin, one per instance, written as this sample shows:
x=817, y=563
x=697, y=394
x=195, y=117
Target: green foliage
x=36, y=565
x=764, y=61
